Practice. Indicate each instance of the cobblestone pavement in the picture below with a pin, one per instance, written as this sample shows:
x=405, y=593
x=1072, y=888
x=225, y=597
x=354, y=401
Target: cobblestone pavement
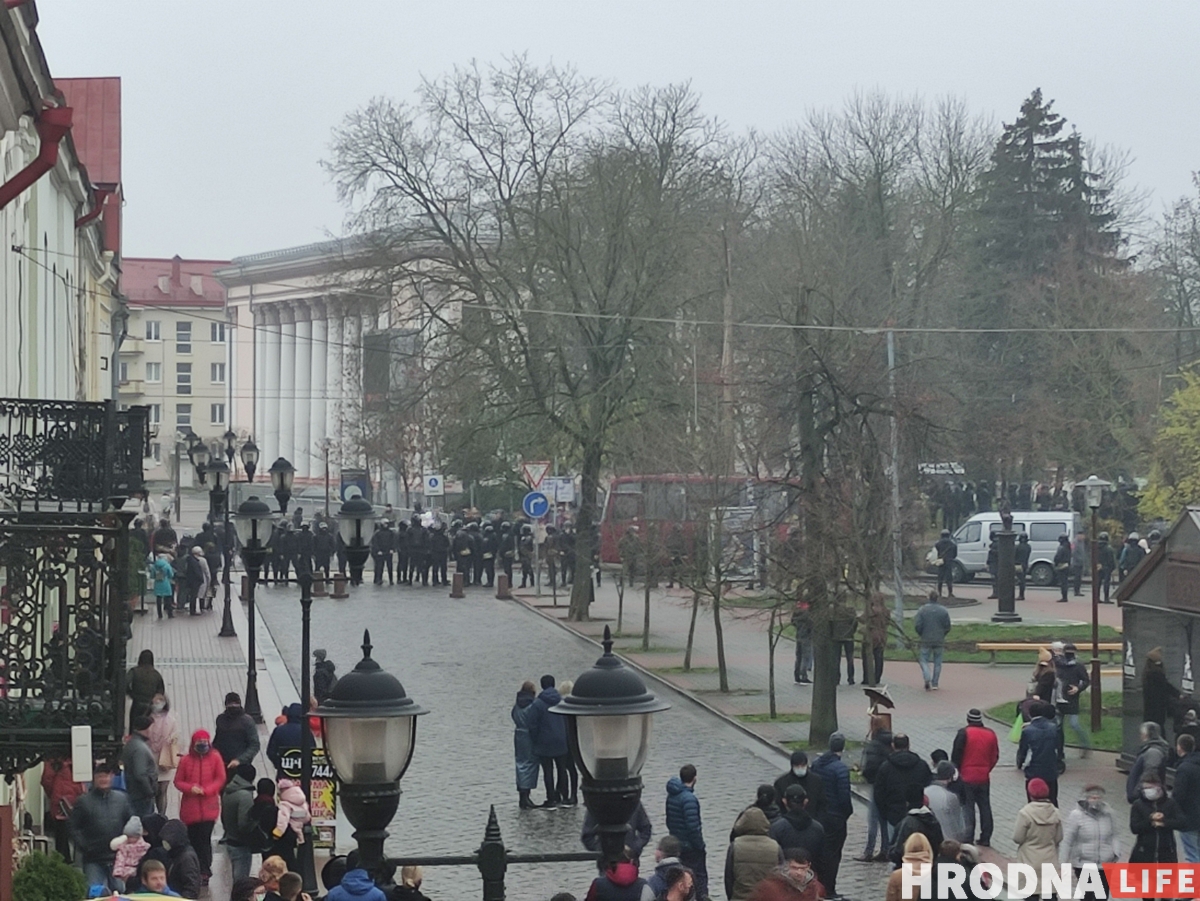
x=931, y=718
x=464, y=660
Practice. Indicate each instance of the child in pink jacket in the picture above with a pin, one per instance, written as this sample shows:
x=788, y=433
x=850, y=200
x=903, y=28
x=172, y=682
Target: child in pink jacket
x=131, y=848
x=293, y=810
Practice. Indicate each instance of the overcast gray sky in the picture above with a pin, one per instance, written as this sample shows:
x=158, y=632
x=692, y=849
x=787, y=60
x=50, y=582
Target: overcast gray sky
x=228, y=105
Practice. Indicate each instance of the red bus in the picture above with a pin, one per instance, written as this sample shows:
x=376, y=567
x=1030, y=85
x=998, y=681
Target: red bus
x=655, y=503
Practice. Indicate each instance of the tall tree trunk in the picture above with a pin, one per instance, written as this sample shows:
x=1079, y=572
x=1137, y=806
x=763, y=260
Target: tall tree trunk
x=824, y=720
x=586, y=529
x=691, y=639
x=722, y=670
x=772, y=642
x=646, y=614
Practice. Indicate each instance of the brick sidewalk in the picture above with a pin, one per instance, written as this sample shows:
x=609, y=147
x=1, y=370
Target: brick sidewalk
x=931, y=718
x=199, y=668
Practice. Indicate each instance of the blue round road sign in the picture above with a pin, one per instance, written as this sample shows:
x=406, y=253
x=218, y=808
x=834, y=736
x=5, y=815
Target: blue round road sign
x=536, y=505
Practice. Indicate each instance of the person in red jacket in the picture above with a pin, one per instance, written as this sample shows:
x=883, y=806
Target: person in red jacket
x=975, y=753
x=200, y=777
x=62, y=791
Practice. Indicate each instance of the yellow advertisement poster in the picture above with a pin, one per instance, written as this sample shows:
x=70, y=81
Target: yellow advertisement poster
x=322, y=802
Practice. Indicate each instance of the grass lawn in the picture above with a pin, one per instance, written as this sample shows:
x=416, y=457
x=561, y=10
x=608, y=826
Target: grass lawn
x=780, y=718
x=1107, y=739
x=960, y=644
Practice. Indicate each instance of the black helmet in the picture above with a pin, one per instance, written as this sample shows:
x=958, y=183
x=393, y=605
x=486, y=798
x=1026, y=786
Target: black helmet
x=456, y=525
x=945, y=533
x=1064, y=538
x=1023, y=538
x=1103, y=536
x=488, y=529
x=526, y=529
x=506, y=526
x=472, y=527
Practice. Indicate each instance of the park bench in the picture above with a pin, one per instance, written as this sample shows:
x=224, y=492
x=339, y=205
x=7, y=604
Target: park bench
x=1109, y=647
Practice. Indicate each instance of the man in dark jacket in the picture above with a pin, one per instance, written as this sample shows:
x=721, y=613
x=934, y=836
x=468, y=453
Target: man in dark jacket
x=976, y=752
x=1039, y=743
x=97, y=818
x=902, y=769
x=142, y=683
x=683, y=822
x=324, y=547
x=1106, y=562
x=813, y=785
x=141, y=768
x=797, y=828
x=324, y=675
x=1151, y=758
x=919, y=818
x=1021, y=555
x=549, y=735
x=839, y=807
x=242, y=833
x=1072, y=681
x=183, y=869
x=382, y=549
x=637, y=833
x=947, y=553
x=235, y=737
x=1186, y=794
x=285, y=737
x=1062, y=566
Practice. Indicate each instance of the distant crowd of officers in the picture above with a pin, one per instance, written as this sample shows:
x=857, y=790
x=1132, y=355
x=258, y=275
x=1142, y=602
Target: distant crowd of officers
x=958, y=501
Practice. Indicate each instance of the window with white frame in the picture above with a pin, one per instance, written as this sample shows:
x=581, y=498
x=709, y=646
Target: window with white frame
x=216, y=332
x=183, y=336
x=183, y=378
x=156, y=452
x=183, y=415
x=123, y=372
x=153, y=330
x=217, y=373
x=155, y=414
x=217, y=414
x=154, y=373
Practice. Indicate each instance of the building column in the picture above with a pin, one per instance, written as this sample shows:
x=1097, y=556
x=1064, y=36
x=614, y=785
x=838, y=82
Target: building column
x=287, y=375
x=319, y=386
x=333, y=377
x=303, y=393
x=259, y=392
x=271, y=386
x=352, y=399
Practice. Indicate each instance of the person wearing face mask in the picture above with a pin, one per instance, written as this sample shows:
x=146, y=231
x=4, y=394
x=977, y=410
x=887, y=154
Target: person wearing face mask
x=236, y=737
x=164, y=744
x=1152, y=819
x=201, y=776
x=813, y=785
x=1072, y=682
x=1090, y=835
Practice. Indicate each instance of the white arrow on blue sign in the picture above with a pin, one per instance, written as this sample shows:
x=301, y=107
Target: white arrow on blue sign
x=535, y=504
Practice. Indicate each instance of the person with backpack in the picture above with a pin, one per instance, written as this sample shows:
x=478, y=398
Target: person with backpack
x=242, y=834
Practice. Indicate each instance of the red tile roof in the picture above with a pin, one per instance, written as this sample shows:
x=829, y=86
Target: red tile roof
x=97, y=128
x=141, y=282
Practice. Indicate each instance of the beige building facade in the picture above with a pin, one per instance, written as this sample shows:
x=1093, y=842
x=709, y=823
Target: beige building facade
x=175, y=359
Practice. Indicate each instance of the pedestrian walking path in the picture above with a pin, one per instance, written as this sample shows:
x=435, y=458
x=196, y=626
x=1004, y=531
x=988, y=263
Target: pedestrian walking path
x=931, y=718
x=199, y=668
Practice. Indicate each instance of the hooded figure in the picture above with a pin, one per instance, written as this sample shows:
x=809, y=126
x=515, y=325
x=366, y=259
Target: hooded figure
x=919, y=853
x=526, y=759
x=620, y=882
x=237, y=820
x=183, y=864
x=797, y=828
x=293, y=810
x=752, y=856
x=902, y=769
x=1039, y=830
x=324, y=676
x=200, y=777
x=918, y=819
x=356, y=885
x=1152, y=758
x=1158, y=694
x=285, y=737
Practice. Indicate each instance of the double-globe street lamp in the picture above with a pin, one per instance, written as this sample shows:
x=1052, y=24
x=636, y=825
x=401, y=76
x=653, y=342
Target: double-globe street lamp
x=1093, y=496
x=356, y=519
x=369, y=724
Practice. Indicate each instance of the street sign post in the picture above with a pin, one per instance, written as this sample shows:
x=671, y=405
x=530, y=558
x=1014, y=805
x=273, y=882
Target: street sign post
x=535, y=472
x=434, y=486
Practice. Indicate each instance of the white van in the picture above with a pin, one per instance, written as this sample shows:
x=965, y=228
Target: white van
x=1043, y=530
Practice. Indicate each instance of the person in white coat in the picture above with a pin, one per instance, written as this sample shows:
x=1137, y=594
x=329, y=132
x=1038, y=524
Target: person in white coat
x=1090, y=835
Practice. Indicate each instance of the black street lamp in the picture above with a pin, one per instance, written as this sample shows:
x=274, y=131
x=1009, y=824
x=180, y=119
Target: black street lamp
x=282, y=473
x=610, y=711
x=200, y=455
x=304, y=853
x=253, y=523
x=353, y=519
x=249, y=454
x=370, y=729
x=230, y=439
x=1093, y=496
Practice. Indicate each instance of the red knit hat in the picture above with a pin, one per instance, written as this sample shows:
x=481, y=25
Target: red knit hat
x=1038, y=789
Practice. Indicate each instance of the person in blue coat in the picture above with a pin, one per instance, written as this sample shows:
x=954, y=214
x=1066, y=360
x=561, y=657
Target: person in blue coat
x=526, y=760
x=548, y=733
x=1039, y=743
x=285, y=737
x=683, y=822
x=838, y=809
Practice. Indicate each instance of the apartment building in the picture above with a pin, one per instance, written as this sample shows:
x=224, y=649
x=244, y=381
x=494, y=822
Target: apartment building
x=175, y=359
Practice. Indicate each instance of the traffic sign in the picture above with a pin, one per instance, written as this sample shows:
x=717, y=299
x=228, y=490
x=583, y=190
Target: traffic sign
x=536, y=505
x=561, y=489
x=434, y=486
x=535, y=472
